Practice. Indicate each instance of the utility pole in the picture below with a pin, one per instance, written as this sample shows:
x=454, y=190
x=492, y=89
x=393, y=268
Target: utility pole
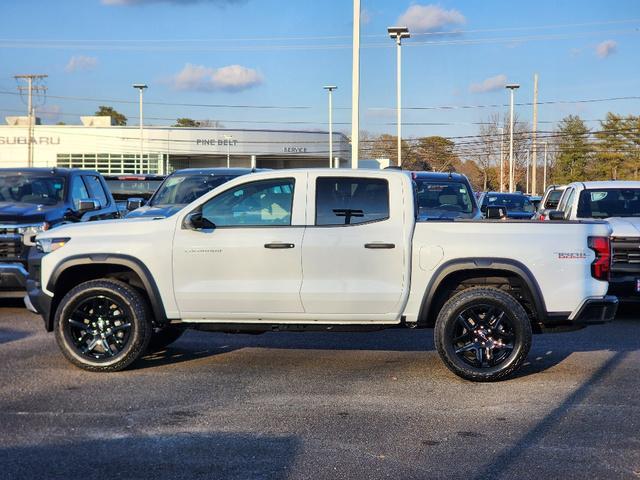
x=534, y=147
x=355, y=86
x=330, y=89
x=544, y=173
x=228, y=139
x=511, y=87
x=30, y=88
x=527, y=191
x=398, y=33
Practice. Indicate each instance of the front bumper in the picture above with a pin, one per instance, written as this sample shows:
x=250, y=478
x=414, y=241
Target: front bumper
x=13, y=277
x=36, y=300
x=596, y=310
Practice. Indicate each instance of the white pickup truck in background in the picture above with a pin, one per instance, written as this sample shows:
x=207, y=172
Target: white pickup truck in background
x=617, y=202
x=319, y=249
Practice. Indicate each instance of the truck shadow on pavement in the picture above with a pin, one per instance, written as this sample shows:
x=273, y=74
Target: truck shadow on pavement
x=193, y=456
x=548, y=350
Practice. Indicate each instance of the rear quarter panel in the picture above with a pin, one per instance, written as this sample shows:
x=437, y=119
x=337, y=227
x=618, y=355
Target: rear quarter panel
x=555, y=253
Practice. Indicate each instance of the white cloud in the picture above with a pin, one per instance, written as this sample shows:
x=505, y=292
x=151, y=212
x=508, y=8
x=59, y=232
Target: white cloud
x=489, y=84
x=232, y=78
x=175, y=2
x=81, y=62
x=427, y=18
x=606, y=48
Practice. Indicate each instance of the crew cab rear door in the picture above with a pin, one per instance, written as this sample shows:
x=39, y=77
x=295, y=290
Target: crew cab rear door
x=355, y=244
x=250, y=262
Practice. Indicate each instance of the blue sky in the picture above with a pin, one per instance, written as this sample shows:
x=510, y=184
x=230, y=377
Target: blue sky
x=281, y=53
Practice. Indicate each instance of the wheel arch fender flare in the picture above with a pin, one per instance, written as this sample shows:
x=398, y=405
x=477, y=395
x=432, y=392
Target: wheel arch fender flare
x=132, y=263
x=470, y=264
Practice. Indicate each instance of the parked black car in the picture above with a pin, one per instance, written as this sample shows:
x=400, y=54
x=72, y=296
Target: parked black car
x=444, y=196
x=183, y=187
x=132, y=191
x=517, y=205
x=36, y=199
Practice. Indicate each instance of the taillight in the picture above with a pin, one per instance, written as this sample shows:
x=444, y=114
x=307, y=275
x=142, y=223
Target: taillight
x=542, y=217
x=601, y=266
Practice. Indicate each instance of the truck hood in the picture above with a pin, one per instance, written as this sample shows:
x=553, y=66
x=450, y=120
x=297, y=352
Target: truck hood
x=155, y=211
x=24, y=213
x=101, y=228
x=625, y=226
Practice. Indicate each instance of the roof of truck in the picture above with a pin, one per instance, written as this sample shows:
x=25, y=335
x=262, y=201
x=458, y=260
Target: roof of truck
x=609, y=184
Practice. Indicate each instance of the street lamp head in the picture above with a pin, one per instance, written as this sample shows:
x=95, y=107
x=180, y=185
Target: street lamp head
x=330, y=87
x=512, y=86
x=140, y=86
x=398, y=32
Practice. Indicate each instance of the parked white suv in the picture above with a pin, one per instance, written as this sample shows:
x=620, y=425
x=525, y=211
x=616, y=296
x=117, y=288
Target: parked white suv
x=619, y=203
x=318, y=250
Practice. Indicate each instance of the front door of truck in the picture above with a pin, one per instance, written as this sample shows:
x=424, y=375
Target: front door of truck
x=353, y=253
x=241, y=253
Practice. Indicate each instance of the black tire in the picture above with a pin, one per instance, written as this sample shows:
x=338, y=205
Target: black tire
x=162, y=337
x=483, y=334
x=103, y=325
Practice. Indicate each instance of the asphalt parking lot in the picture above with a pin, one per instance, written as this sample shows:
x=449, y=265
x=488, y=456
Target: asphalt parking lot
x=338, y=405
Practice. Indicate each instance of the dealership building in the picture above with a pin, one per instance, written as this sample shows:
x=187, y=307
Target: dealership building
x=98, y=145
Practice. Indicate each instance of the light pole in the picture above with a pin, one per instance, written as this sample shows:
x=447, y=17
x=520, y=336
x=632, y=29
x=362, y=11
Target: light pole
x=355, y=86
x=140, y=87
x=512, y=87
x=501, y=160
x=544, y=174
x=330, y=89
x=398, y=33
x=228, y=138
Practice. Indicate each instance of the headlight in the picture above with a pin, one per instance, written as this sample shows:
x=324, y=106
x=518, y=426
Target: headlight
x=48, y=245
x=28, y=232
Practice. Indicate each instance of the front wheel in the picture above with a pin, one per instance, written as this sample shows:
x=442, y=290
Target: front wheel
x=103, y=325
x=483, y=334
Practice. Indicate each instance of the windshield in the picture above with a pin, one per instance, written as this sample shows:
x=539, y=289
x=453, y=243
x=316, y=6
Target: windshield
x=124, y=189
x=609, y=202
x=513, y=203
x=553, y=199
x=440, y=198
x=31, y=188
x=185, y=188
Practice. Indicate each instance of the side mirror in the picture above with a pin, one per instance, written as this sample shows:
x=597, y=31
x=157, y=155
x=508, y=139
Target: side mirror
x=87, y=205
x=496, y=212
x=195, y=221
x=555, y=215
x=134, y=203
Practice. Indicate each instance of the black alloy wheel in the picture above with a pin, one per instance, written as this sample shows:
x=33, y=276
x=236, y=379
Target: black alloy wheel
x=483, y=334
x=103, y=325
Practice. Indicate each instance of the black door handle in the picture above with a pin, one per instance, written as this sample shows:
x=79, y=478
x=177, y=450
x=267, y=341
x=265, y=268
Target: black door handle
x=277, y=245
x=378, y=246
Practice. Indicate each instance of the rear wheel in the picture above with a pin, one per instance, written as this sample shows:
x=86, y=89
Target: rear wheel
x=103, y=325
x=483, y=334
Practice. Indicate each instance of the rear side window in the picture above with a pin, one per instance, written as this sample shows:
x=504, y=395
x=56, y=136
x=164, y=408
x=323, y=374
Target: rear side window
x=95, y=189
x=350, y=201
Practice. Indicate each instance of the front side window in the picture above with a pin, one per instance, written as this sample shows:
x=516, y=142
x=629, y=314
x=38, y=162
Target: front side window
x=95, y=190
x=350, y=201
x=552, y=199
x=566, y=203
x=78, y=191
x=262, y=203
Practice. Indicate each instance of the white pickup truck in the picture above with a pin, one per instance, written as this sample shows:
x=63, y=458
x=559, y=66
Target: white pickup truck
x=302, y=250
